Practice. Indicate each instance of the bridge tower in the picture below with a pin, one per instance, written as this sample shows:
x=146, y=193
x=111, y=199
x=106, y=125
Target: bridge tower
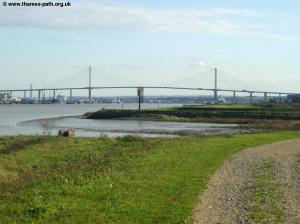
x=90, y=84
x=30, y=91
x=216, y=85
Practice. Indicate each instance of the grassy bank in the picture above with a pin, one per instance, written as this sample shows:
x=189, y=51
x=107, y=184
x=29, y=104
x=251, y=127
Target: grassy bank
x=265, y=112
x=103, y=180
x=263, y=116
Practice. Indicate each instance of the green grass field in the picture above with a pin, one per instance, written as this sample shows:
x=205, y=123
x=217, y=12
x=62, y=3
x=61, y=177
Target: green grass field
x=104, y=180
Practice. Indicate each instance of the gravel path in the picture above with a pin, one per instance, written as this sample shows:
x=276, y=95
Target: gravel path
x=226, y=200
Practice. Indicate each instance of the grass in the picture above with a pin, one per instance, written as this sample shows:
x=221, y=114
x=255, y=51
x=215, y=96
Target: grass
x=8, y=146
x=103, y=180
x=239, y=106
x=266, y=194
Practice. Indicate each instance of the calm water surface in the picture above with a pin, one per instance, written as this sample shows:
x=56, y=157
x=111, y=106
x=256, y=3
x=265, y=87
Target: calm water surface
x=45, y=119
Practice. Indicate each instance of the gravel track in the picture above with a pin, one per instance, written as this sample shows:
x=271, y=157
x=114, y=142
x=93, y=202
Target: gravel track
x=226, y=198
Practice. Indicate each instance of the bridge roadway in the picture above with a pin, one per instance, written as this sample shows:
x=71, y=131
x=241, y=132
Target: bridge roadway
x=39, y=90
x=145, y=87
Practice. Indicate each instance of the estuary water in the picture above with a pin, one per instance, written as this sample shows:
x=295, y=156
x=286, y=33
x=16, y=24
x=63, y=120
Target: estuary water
x=48, y=119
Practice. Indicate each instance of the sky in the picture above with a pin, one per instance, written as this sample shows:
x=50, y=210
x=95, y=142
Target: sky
x=254, y=44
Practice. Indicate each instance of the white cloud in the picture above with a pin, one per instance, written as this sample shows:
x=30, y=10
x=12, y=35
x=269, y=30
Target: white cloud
x=201, y=64
x=103, y=17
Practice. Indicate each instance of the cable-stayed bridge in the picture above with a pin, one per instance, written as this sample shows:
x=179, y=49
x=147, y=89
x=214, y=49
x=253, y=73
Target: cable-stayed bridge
x=171, y=86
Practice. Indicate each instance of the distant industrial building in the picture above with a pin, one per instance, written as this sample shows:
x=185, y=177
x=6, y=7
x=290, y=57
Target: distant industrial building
x=61, y=99
x=293, y=98
x=6, y=98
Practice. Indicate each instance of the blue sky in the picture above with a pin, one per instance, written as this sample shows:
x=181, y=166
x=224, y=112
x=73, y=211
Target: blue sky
x=255, y=44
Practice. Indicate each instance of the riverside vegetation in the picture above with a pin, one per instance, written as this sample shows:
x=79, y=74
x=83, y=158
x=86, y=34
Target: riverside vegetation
x=104, y=180
x=262, y=116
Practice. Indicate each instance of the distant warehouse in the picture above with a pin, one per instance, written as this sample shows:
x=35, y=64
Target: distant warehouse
x=293, y=98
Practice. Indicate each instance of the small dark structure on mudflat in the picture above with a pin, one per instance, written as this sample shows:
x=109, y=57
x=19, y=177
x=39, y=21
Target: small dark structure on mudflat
x=293, y=98
x=70, y=132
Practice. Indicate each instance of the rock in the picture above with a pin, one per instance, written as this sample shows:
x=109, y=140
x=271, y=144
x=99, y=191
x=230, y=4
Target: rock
x=70, y=132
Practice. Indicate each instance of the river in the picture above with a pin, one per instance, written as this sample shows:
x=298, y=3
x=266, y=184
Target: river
x=48, y=119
